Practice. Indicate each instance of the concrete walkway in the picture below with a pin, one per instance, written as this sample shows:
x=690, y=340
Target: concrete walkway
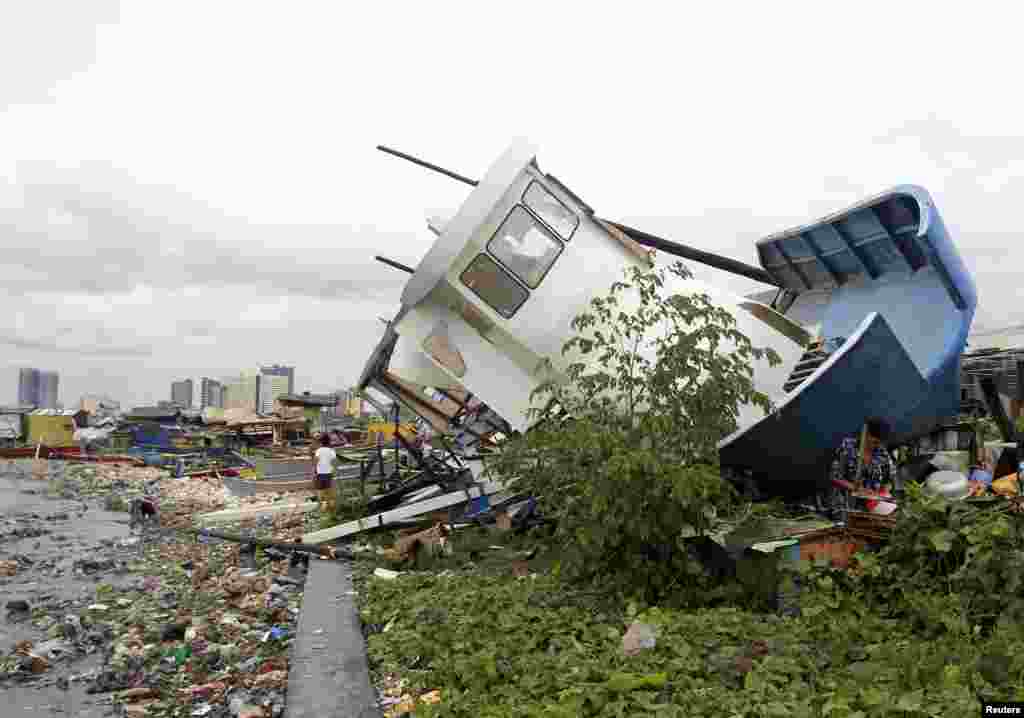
x=328, y=676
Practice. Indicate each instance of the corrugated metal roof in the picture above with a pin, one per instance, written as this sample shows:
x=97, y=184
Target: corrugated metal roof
x=16, y=410
x=53, y=412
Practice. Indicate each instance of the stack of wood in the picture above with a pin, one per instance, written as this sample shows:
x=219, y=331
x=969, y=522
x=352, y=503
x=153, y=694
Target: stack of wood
x=869, y=526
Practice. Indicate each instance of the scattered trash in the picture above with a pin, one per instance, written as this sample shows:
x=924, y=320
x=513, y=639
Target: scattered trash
x=639, y=637
x=161, y=609
x=386, y=574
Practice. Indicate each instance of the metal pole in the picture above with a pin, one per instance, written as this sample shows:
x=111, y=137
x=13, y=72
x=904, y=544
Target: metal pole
x=648, y=240
x=996, y=410
x=396, y=265
x=681, y=250
x=428, y=165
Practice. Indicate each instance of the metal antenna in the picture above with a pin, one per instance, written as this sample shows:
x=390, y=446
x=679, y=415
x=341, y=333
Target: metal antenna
x=429, y=166
x=396, y=265
x=648, y=240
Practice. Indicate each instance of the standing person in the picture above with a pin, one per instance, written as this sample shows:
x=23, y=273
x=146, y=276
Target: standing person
x=868, y=463
x=324, y=460
x=864, y=464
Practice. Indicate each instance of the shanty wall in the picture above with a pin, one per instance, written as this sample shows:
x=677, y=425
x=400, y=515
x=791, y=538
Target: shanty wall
x=50, y=430
x=387, y=430
x=11, y=426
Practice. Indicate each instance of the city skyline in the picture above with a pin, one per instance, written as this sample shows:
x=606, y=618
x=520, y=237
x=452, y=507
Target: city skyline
x=152, y=397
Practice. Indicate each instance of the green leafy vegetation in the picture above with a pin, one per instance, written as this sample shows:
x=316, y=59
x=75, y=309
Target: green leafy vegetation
x=636, y=470
x=952, y=568
x=498, y=646
x=927, y=626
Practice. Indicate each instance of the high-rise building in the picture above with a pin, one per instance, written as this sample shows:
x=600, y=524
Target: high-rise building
x=271, y=387
x=181, y=393
x=38, y=388
x=240, y=392
x=51, y=393
x=278, y=370
x=28, y=387
x=211, y=394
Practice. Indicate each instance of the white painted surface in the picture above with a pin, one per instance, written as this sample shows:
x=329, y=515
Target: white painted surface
x=410, y=363
x=502, y=367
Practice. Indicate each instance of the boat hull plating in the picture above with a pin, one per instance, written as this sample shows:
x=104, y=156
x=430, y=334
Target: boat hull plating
x=871, y=374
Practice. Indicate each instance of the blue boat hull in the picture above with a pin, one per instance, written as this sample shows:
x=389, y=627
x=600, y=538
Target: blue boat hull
x=870, y=375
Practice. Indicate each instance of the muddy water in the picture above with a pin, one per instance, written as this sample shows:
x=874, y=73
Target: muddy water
x=56, y=534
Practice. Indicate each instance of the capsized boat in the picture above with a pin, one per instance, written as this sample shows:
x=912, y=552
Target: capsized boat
x=870, y=315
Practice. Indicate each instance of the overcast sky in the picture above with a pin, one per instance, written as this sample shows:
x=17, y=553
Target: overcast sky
x=191, y=188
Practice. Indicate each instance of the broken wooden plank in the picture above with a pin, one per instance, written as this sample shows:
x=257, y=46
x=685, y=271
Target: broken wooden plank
x=404, y=512
x=239, y=514
x=422, y=494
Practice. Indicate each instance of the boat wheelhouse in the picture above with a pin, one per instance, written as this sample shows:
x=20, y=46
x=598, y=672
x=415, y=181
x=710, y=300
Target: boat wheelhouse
x=870, y=317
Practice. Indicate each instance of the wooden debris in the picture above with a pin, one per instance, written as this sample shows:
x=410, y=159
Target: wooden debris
x=404, y=512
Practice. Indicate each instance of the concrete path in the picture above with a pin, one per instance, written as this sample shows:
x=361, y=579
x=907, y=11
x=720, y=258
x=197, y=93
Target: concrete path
x=328, y=676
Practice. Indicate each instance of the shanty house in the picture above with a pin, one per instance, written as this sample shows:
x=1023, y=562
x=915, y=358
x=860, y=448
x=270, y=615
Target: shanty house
x=158, y=414
x=12, y=424
x=312, y=407
x=50, y=427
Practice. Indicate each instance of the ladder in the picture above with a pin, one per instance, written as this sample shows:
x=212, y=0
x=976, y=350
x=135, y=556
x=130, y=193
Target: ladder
x=814, y=357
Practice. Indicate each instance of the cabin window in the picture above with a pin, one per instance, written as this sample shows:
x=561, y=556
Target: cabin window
x=779, y=323
x=551, y=210
x=494, y=285
x=524, y=247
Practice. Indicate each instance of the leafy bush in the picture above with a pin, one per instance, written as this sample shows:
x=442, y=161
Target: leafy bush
x=949, y=567
x=636, y=467
x=507, y=648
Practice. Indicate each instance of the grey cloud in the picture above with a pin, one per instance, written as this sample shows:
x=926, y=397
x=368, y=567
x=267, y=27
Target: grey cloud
x=114, y=245
x=943, y=142
x=198, y=329
x=86, y=350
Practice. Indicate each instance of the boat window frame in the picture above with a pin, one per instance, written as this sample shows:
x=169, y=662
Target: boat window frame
x=535, y=213
x=543, y=227
x=486, y=256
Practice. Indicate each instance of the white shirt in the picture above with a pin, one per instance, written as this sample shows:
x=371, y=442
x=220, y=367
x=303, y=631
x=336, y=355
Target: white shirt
x=325, y=458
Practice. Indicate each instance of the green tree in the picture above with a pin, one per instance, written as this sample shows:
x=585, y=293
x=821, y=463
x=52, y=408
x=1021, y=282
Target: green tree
x=623, y=450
